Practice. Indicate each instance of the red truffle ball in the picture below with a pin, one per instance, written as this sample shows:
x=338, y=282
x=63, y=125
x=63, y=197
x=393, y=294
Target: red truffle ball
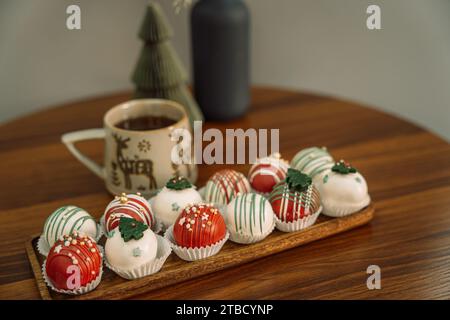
x=289, y=205
x=224, y=185
x=130, y=206
x=266, y=173
x=199, y=225
x=70, y=256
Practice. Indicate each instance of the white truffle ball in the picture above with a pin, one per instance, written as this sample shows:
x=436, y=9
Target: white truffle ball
x=342, y=194
x=168, y=203
x=133, y=253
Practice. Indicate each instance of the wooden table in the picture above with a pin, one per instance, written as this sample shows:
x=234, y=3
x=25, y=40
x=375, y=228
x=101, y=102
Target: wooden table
x=407, y=169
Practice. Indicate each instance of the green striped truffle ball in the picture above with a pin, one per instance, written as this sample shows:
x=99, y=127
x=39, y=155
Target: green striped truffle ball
x=313, y=161
x=249, y=214
x=67, y=219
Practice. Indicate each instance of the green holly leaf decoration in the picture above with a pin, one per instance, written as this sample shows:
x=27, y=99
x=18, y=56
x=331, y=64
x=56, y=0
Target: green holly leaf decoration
x=131, y=229
x=178, y=183
x=298, y=181
x=343, y=168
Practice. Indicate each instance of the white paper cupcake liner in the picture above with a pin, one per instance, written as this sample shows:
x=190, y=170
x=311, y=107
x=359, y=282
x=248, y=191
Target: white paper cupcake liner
x=247, y=238
x=339, y=209
x=151, y=267
x=89, y=287
x=43, y=248
x=192, y=254
x=299, y=224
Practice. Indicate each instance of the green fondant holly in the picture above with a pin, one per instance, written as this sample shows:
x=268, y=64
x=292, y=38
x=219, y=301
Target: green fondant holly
x=131, y=228
x=298, y=181
x=178, y=183
x=343, y=168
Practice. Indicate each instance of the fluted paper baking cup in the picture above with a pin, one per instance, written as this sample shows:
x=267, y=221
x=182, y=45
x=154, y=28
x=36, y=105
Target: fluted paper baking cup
x=299, y=224
x=151, y=267
x=247, y=239
x=43, y=248
x=339, y=209
x=89, y=287
x=192, y=254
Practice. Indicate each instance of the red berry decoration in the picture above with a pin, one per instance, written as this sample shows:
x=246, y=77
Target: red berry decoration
x=267, y=172
x=199, y=225
x=295, y=198
x=74, y=261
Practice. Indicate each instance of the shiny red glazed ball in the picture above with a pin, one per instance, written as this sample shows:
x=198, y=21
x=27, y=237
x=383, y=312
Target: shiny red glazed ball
x=73, y=262
x=199, y=225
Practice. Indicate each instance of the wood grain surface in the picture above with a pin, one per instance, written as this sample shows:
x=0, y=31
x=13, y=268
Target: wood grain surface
x=407, y=169
x=176, y=270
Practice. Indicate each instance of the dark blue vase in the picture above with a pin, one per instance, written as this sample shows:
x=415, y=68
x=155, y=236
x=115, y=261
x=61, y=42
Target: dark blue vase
x=220, y=31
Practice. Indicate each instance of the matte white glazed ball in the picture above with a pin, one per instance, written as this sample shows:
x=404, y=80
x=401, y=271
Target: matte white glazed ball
x=127, y=255
x=170, y=201
x=343, y=193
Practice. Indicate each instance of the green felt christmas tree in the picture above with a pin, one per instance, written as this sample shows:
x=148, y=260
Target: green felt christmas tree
x=159, y=72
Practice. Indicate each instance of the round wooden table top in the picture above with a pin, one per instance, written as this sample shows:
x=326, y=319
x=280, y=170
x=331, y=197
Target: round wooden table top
x=407, y=169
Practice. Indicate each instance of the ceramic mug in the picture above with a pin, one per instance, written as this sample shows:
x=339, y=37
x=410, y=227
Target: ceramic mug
x=135, y=161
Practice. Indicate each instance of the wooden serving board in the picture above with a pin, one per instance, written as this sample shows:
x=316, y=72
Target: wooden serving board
x=176, y=270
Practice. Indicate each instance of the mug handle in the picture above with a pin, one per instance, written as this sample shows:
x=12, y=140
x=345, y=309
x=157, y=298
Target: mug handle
x=70, y=138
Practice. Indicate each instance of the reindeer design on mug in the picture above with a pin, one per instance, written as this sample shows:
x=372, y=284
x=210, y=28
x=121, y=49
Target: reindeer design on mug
x=133, y=166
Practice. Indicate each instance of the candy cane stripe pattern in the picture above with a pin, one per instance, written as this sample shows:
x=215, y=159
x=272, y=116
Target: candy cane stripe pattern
x=313, y=161
x=131, y=206
x=67, y=219
x=224, y=185
x=289, y=205
x=267, y=172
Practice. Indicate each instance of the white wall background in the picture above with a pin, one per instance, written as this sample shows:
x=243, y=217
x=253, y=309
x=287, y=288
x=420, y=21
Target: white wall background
x=315, y=45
